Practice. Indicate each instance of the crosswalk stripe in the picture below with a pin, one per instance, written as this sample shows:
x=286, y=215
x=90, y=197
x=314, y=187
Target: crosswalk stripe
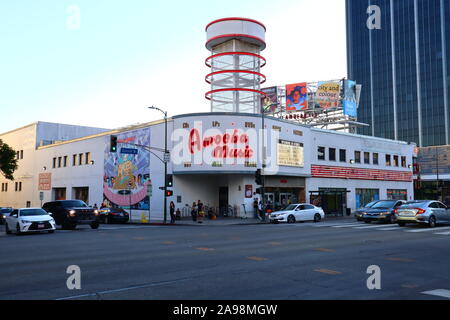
x=443, y=233
x=347, y=225
x=370, y=227
x=427, y=230
x=332, y=225
x=439, y=292
x=389, y=229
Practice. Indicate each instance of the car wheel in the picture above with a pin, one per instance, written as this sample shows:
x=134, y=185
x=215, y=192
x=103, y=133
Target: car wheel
x=432, y=222
x=401, y=224
x=317, y=217
x=291, y=219
x=7, y=229
x=95, y=225
x=18, y=232
x=366, y=221
x=392, y=219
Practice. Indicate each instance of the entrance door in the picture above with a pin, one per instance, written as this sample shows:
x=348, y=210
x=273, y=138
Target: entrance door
x=223, y=200
x=269, y=198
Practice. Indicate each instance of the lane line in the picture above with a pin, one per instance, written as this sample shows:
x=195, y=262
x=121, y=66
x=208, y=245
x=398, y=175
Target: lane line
x=334, y=224
x=391, y=228
x=328, y=271
x=257, y=258
x=428, y=230
x=371, y=227
x=348, y=225
x=324, y=250
x=400, y=259
x=443, y=233
x=438, y=292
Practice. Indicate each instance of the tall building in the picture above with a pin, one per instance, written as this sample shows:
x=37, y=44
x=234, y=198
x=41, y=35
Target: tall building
x=399, y=50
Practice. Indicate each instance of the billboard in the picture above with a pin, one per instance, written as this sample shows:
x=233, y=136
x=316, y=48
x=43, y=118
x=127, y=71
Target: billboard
x=434, y=160
x=296, y=97
x=290, y=154
x=127, y=176
x=269, y=103
x=327, y=94
x=45, y=181
x=349, y=101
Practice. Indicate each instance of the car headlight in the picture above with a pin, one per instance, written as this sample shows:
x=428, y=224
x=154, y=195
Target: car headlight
x=26, y=221
x=72, y=213
x=385, y=213
x=96, y=212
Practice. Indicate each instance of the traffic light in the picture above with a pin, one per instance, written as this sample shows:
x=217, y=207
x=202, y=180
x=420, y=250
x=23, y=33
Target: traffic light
x=169, y=193
x=169, y=180
x=258, y=177
x=113, y=144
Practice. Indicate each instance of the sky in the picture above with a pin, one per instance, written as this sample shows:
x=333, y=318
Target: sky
x=100, y=63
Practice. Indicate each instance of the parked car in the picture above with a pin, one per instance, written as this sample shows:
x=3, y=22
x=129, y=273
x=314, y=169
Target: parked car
x=29, y=220
x=112, y=215
x=70, y=213
x=382, y=211
x=426, y=212
x=359, y=212
x=297, y=212
x=3, y=213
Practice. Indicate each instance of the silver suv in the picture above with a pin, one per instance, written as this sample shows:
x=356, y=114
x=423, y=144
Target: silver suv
x=429, y=212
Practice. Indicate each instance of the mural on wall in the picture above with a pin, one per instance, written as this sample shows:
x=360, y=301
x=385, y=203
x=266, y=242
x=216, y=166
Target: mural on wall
x=126, y=179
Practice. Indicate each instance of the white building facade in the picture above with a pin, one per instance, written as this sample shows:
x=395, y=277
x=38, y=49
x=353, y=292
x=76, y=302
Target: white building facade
x=213, y=158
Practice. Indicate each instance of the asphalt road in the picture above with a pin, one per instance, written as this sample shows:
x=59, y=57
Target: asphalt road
x=328, y=260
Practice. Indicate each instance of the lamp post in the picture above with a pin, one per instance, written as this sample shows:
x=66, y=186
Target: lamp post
x=263, y=111
x=165, y=160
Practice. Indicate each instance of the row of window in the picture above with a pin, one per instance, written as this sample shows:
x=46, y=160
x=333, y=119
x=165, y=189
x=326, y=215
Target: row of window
x=18, y=186
x=361, y=157
x=77, y=159
x=19, y=154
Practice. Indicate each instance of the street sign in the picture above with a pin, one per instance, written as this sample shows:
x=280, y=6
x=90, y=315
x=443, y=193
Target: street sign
x=128, y=151
x=41, y=196
x=166, y=156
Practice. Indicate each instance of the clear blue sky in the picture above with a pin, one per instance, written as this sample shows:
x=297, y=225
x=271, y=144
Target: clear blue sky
x=125, y=55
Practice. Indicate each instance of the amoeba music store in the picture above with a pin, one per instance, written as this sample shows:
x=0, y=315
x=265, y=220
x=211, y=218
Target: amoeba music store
x=214, y=157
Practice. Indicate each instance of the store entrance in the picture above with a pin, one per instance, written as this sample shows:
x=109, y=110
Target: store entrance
x=332, y=201
x=279, y=198
x=223, y=202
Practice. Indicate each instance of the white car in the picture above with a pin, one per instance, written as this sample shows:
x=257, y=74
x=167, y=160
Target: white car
x=297, y=212
x=29, y=220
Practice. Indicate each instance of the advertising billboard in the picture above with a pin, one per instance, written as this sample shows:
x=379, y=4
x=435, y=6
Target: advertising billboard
x=296, y=97
x=269, y=103
x=290, y=154
x=45, y=181
x=327, y=94
x=349, y=101
x=127, y=175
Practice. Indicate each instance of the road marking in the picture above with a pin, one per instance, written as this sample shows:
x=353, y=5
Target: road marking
x=275, y=243
x=347, y=225
x=391, y=228
x=409, y=286
x=139, y=238
x=439, y=292
x=257, y=258
x=428, y=230
x=370, y=227
x=168, y=242
x=328, y=271
x=334, y=224
x=400, y=259
x=162, y=283
x=324, y=250
x=206, y=249
x=443, y=233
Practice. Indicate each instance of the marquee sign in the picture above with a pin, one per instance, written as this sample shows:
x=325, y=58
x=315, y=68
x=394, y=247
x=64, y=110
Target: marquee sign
x=290, y=154
x=360, y=173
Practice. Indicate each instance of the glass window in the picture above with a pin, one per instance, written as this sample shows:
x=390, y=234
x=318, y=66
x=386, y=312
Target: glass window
x=21, y=154
x=332, y=154
x=375, y=158
x=404, y=162
x=54, y=162
x=74, y=158
x=397, y=194
x=65, y=161
x=59, y=162
x=388, y=160
x=321, y=153
x=80, y=159
x=396, y=161
x=357, y=156
x=366, y=157
x=88, y=157
x=343, y=155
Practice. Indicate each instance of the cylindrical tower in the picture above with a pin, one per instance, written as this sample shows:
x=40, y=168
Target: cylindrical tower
x=235, y=45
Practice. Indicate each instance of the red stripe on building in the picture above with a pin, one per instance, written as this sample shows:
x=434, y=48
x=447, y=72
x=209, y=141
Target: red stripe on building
x=360, y=173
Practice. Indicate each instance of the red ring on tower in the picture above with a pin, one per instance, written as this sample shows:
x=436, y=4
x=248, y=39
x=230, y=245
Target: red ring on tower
x=207, y=95
x=208, y=76
x=261, y=58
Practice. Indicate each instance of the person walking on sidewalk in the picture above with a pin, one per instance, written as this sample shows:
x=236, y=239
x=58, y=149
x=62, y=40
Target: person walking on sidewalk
x=172, y=212
x=194, y=212
x=201, y=214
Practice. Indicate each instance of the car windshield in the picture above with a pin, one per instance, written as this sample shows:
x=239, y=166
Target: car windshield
x=370, y=204
x=73, y=204
x=6, y=210
x=384, y=204
x=413, y=203
x=32, y=212
x=290, y=207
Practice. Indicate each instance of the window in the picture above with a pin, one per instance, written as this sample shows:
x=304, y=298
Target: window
x=74, y=158
x=65, y=161
x=59, y=162
x=394, y=194
x=404, y=162
x=396, y=161
x=20, y=186
x=18, y=155
x=332, y=154
x=17, y=186
x=88, y=157
x=388, y=160
x=21, y=154
x=375, y=158
x=366, y=157
x=6, y=187
x=343, y=155
x=3, y=187
x=80, y=159
x=321, y=153
x=357, y=156
x=54, y=162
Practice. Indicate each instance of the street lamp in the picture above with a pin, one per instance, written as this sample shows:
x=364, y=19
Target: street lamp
x=165, y=160
x=263, y=111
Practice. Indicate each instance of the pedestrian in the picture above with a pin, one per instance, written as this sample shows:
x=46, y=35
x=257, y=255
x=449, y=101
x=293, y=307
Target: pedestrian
x=201, y=214
x=95, y=206
x=194, y=212
x=255, y=208
x=172, y=212
x=178, y=214
x=260, y=210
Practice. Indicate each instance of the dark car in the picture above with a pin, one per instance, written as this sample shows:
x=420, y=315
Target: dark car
x=359, y=212
x=3, y=213
x=70, y=213
x=383, y=210
x=114, y=215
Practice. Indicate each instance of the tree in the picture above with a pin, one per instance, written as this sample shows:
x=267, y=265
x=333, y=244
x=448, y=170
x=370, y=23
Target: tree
x=8, y=161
